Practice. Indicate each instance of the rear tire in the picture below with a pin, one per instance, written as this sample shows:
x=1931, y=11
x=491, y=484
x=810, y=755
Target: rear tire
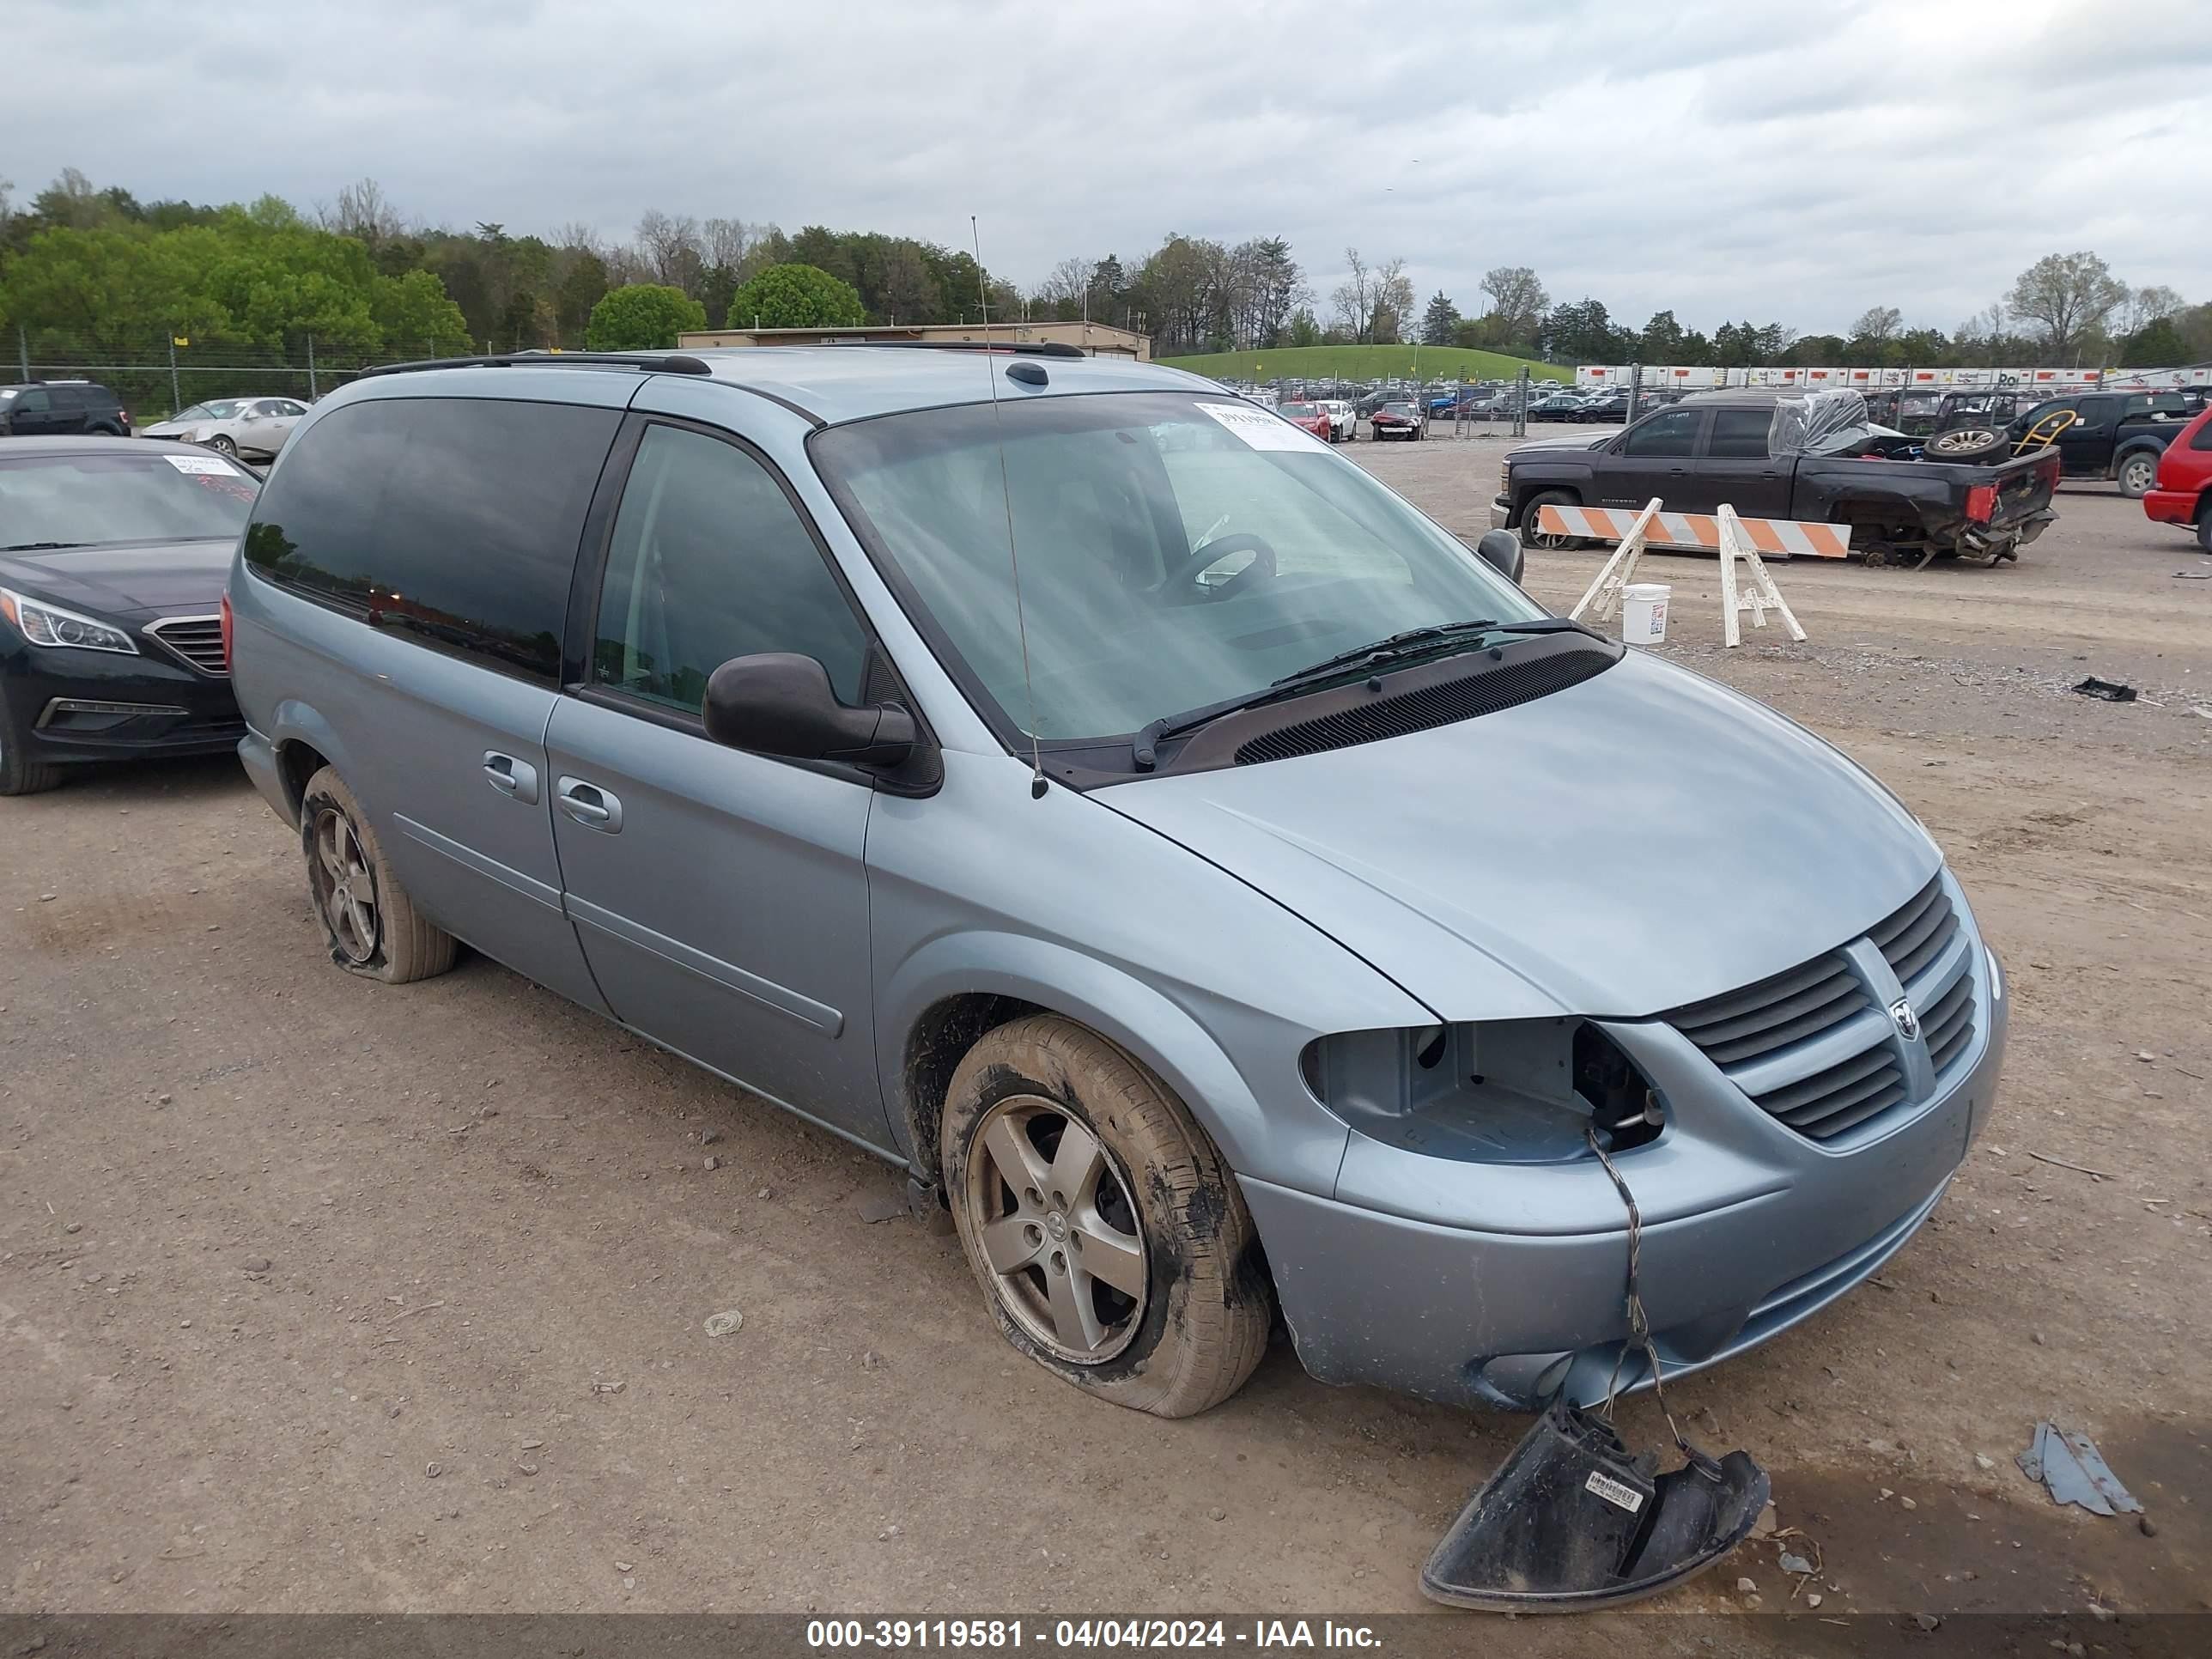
x=2136, y=472
x=369, y=923
x=20, y=775
x=1051, y=1137
x=2204, y=524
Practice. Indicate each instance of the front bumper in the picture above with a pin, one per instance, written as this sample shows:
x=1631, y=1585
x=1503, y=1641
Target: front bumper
x=1750, y=1228
x=154, y=707
x=2171, y=507
x=1501, y=514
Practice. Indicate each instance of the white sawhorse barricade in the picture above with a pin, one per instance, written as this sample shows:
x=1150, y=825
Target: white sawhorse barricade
x=1732, y=538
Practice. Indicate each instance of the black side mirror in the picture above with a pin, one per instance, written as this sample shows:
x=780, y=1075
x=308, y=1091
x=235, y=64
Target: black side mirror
x=1501, y=549
x=781, y=703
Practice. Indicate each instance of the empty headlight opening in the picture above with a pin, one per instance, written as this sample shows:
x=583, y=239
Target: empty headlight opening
x=1498, y=1092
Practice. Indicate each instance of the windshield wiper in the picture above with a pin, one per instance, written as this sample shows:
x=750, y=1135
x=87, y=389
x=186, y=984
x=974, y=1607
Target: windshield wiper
x=40, y=547
x=1143, y=750
x=1415, y=641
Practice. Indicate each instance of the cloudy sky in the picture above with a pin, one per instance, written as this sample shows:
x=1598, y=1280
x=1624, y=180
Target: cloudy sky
x=1791, y=162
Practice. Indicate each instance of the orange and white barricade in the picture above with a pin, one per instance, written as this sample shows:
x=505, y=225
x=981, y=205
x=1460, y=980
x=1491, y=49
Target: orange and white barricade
x=1732, y=538
x=1693, y=532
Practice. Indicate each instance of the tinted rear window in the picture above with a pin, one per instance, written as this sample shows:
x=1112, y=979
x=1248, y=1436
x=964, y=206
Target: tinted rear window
x=454, y=519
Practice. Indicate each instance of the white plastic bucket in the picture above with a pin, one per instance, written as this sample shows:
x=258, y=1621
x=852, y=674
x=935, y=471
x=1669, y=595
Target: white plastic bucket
x=1644, y=613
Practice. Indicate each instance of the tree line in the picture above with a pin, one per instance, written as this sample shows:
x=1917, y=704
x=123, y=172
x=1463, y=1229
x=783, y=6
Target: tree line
x=109, y=271
x=2065, y=310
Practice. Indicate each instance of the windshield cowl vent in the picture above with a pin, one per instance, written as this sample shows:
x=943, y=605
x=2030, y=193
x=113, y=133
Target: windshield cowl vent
x=1529, y=669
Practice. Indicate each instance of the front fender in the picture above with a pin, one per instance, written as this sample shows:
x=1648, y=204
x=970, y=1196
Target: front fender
x=1291, y=1134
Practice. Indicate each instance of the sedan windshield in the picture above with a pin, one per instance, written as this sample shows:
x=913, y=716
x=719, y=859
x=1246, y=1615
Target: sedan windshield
x=92, y=498
x=1175, y=550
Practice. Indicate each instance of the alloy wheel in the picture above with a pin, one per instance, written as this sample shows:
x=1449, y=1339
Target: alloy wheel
x=344, y=886
x=1058, y=1225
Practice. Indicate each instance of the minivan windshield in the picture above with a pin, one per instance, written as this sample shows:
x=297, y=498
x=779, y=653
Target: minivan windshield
x=1175, y=549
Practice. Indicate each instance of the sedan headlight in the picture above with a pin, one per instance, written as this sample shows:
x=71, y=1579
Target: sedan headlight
x=50, y=625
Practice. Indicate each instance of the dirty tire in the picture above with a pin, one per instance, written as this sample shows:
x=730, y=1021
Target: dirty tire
x=1204, y=1319
x=399, y=946
x=2135, y=474
x=20, y=775
x=2204, y=526
x=1966, y=444
x=1878, y=553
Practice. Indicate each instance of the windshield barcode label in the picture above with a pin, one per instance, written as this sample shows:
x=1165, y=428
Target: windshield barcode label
x=1620, y=1496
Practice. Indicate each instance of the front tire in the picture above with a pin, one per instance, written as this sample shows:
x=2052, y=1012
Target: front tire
x=20, y=775
x=222, y=444
x=2136, y=473
x=2204, y=524
x=1532, y=536
x=1110, y=1240
x=369, y=923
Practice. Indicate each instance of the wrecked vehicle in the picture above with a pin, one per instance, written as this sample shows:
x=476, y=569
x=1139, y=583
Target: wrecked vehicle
x=1192, y=866
x=1813, y=456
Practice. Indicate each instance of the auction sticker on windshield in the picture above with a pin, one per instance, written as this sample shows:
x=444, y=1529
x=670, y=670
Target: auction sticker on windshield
x=1260, y=430
x=201, y=464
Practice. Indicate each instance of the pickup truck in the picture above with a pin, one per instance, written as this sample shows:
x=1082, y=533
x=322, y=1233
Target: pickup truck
x=2115, y=435
x=1713, y=448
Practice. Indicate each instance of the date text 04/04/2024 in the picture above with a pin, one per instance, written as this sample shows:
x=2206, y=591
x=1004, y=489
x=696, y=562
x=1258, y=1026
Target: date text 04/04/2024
x=834, y=1634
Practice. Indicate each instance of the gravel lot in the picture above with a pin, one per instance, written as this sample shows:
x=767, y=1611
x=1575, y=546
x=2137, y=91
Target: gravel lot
x=316, y=1295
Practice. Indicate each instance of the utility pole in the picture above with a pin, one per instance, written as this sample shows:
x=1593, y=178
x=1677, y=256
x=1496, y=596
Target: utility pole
x=176, y=398
x=24, y=350
x=311, y=369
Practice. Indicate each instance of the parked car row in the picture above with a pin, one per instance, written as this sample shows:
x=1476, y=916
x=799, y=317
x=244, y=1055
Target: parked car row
x=505, y=676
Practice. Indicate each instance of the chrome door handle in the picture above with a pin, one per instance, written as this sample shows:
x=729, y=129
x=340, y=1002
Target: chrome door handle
x=592, y=807
x=516, y=778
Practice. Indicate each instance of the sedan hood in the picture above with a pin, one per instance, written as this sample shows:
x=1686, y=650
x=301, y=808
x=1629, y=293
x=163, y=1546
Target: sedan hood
x=1644, y=838
x=126, y=580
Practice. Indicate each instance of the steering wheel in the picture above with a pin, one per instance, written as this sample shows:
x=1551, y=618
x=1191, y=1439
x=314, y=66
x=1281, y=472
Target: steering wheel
x=1261, y=568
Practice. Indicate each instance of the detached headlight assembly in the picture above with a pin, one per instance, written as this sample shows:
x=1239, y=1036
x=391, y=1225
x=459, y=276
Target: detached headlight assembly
x=50, y=625
x=1497, y=1091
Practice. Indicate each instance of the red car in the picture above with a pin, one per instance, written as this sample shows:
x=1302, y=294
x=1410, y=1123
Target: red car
x=1309, y=418
x=2182, y=492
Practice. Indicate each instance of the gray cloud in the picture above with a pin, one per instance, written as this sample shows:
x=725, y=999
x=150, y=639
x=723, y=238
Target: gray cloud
x=1728, y=161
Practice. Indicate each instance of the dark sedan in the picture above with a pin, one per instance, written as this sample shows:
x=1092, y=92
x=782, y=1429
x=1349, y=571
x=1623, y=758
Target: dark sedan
x=1560, y=408
x=114, y=554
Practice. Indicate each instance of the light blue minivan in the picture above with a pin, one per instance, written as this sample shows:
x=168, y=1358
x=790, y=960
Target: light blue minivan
x=1215, y=884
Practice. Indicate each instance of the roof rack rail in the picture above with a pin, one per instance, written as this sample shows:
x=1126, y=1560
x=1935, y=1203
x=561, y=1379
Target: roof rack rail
x=1026, y=348
x=664, y=363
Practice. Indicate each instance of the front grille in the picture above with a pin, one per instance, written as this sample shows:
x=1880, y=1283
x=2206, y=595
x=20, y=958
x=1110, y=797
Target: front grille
x=1501, y=688
x=1814, y=1048
x=197, y=640
x=1917, y=935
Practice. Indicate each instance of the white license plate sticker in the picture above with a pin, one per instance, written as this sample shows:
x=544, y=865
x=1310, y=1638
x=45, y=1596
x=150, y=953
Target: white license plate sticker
x=1620, y=1496
x=1259, y=430
x=201, y=464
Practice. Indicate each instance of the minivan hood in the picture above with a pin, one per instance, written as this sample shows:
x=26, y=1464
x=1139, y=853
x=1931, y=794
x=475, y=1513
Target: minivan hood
x=126, y=580
x=1642, y=840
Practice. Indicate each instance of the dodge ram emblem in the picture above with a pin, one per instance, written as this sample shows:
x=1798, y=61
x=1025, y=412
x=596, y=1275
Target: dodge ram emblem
x=1908, y=1022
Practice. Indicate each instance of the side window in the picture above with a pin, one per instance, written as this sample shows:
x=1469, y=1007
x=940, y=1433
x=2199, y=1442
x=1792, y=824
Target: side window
x=70, y=397
x=286, y=406
x=710, y=561
x=1671, y=432
x=2095, y=412
x=2204, y=438
x=454, y=519
x=1741, y=432
x=33, y=400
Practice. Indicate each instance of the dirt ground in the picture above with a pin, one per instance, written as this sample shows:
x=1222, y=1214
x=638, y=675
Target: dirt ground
x=320, y=1295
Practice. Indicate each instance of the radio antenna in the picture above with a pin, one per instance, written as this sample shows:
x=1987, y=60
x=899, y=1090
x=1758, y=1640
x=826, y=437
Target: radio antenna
x=1037, y=785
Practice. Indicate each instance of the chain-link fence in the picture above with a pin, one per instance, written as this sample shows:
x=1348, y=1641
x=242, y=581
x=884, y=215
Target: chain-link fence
x=156, y=375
